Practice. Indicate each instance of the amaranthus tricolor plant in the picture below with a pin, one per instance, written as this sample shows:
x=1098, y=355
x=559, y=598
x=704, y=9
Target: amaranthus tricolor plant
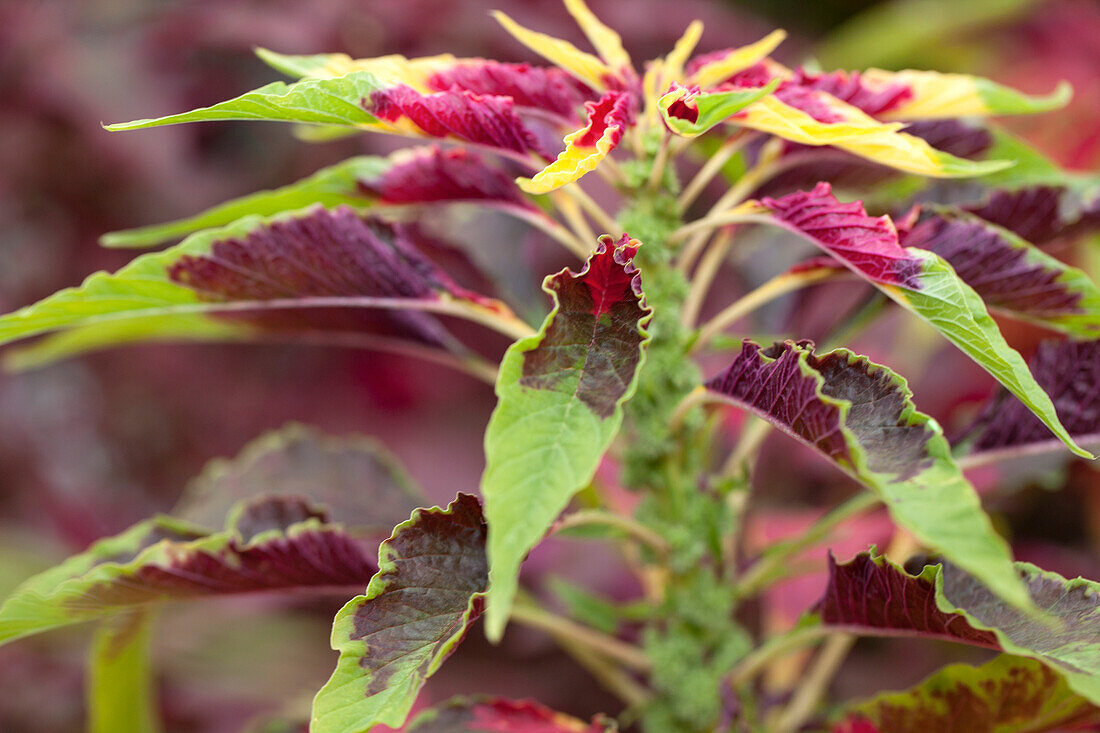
x=606, y=424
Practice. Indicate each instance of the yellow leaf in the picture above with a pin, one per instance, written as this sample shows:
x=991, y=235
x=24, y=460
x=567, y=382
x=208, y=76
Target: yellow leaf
x=736, y=60
x=606, y=41
x=586, y=67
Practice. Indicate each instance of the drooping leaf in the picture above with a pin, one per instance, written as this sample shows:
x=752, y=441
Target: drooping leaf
x=811, y=117
x=1010, y=274
x=1069, y=371
x=498, y=715
x=354, y=478
x=587, y=147
x=918, y=280
x=1031, y=168
x=120, y=691
x=268, y=544
x=1041, y=214
x=934, y=95
x=428, y=591
x=871, y=594
x=333, y=101
x=1006, y=695
x=272, y=272
x=690, y=113
x=860, y=416
x=560, y=395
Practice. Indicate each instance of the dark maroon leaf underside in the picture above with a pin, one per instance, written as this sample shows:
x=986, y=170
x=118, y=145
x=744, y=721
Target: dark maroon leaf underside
x=498, y=715
x=1040, y=214
x=596, y=330
x=432, y=174
x=870, y=597
x=1069, y=371
x=771, y=383
x=439, y=562
x=981, y=255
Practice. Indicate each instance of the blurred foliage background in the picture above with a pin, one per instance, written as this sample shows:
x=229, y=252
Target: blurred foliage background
x=90, y=446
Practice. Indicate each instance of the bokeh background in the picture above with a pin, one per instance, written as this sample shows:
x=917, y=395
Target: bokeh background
x=89, y=446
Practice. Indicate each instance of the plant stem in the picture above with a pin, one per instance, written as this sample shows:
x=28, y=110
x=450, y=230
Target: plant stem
x=557, y=232
x=776, y=559
x=782, y=284
x=572, y=213
x=772, y=649
x=814, y=683
x=657, y=173
x=625, y=654
x=601, y=217
x=704, y=276
x=633, y=528
x=611, y=678
x=711, y=168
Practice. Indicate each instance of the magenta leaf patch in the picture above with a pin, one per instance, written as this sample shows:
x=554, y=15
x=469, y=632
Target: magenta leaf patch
x=1069, y=371
x=426, y=175
x=547, y=89
x=269, y=544
x=1007, y=694
x=432, y=574
x=869, y=245
x=872, y=594
x=498, y=715
x=486, y=120
x=1008, y=273
x=354, y=479
x=860, y=415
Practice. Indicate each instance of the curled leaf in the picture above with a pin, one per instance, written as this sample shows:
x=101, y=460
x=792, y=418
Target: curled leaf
x=919, y=281
x=860, y=416
x=427, y=593
x=587, y=147
x=690, y=113
x=559, y=405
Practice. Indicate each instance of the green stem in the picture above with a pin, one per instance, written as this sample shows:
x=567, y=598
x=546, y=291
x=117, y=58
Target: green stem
x=774, y=648
x=638, y=531
x=625, y=654
x=814, y=683
x=711, y=168
x=773, y=564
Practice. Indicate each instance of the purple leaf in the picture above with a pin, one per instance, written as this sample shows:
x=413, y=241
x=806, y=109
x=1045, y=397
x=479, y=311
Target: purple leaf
x=357, y=482
x=1008, y=273
x=1069, y=371
x=872, y=594
x=498, y=715
x=1040, y=214
x=1007, y=695
x=269, y=544
x=869, y=245
x=481, y=119
x=861, y=417
x=547, y=89
x=432, y=574
x=424, y=175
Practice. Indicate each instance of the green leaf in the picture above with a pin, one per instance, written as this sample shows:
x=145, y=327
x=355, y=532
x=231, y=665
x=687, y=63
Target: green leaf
x=1007, y=695
x=329, y=187
x=317, y=101
x=354, y=479
x=268, y=544
x=873, y=595
x=261, y=270
x=918, y=280
x=120, y=693
x=560, y=395
x=428, y=590
x=692, y=114
x=1032, y=167
x=860, y=415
